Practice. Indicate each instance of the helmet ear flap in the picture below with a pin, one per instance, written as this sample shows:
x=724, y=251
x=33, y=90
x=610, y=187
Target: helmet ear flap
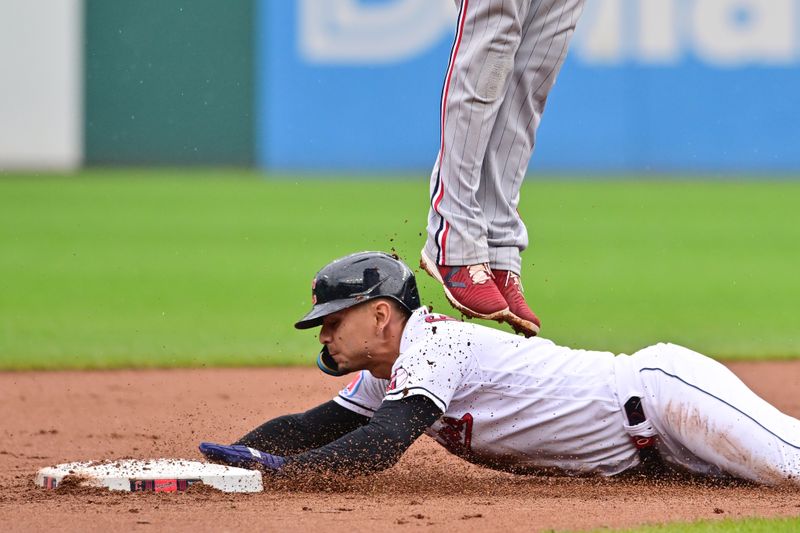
x=326, y=363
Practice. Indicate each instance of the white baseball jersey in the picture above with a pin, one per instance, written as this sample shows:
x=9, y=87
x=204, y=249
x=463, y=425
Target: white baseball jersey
x=531, y=405
x=527, y=403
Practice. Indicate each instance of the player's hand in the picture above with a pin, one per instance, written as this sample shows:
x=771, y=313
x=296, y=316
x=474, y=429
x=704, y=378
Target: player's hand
x=241, y=456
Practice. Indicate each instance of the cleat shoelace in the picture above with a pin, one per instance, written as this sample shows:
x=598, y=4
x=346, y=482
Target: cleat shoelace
x=480, y=273
x=516, y=279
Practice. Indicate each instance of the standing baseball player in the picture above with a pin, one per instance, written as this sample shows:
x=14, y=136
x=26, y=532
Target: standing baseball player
x=499, y=400
x=505, y=59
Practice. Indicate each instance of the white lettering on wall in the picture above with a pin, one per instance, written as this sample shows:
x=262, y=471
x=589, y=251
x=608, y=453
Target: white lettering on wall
x=347, y=31
x=732, y=32
x=658, y=40
x=599, y=35
x=721, y=33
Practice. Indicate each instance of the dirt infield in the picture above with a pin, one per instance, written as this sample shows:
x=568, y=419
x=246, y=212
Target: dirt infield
x=49, y=418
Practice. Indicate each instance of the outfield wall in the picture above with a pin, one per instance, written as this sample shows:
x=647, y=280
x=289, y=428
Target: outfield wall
x=41, y=81
x=650, y=85
x=354, y=85
x=169, y=82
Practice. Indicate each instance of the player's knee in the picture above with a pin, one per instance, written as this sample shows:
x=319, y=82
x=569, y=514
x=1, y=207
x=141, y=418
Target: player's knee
x=494, y=76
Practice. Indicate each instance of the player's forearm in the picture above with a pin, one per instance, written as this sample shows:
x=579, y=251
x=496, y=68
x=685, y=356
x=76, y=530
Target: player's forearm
x=374, y=447
x=362, y=451
x=297, y=433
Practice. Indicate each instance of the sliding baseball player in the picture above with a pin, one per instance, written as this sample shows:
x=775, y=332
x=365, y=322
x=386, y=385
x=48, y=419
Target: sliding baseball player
x=504, y=401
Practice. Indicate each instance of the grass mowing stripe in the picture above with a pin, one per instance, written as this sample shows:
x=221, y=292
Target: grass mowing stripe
x=749, y=525
x=185, y=268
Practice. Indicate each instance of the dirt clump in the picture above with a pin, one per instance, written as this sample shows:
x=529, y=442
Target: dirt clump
x=80, y=485
x=201, y=489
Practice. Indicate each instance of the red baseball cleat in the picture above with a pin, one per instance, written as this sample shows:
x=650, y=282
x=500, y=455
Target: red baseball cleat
x=520, y=316
x=469, y=289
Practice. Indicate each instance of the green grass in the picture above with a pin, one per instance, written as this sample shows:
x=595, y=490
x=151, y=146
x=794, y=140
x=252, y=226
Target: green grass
x=177, y=268
x=750, y=525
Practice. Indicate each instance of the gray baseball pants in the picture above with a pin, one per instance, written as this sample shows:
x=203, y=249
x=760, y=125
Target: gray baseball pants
x=505, y=59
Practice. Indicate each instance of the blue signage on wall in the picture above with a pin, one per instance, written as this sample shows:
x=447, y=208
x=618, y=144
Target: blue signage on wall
x=350, y=85
x=650, y=85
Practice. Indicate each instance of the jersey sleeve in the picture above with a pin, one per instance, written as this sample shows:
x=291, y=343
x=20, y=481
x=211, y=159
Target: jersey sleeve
x=363, y=395
x=371, y=447
x=431, y=369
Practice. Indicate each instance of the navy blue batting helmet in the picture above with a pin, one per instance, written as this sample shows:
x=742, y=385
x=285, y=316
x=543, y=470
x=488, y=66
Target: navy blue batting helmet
x=355, y=279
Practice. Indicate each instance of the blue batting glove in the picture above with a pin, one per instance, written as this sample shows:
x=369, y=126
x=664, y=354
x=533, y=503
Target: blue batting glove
x=241, y=456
